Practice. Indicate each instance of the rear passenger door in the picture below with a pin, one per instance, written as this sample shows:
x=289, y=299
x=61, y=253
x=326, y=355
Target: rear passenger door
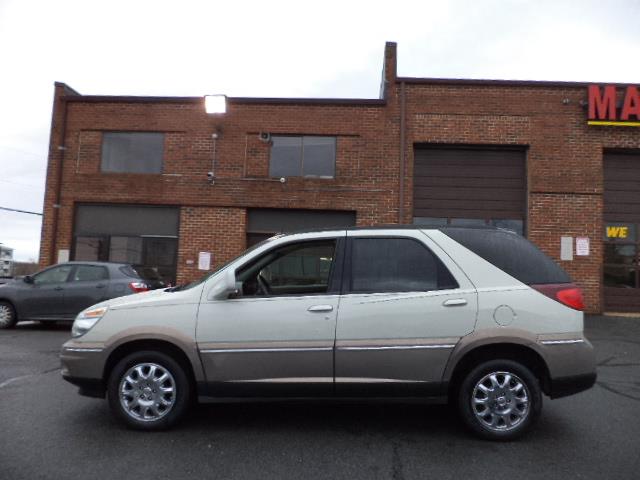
x=87, y=286
x=405, y=305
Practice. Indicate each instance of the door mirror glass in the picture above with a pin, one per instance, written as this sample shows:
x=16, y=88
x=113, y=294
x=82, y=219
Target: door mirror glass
x=27, y=279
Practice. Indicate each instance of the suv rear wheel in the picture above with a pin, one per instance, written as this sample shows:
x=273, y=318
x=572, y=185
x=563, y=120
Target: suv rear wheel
x=500, y=399
x=148, y=390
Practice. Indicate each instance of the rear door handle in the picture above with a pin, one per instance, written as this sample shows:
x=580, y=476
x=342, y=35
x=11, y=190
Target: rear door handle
x=57, y=289
x=454, y=302
x=100, y=285
x=320, y=308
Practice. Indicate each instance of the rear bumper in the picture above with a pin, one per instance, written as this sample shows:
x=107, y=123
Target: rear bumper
x=565, y=386
x=571, y=362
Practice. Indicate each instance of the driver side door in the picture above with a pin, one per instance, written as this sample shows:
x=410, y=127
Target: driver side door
x=277, y=337
x=44, y=298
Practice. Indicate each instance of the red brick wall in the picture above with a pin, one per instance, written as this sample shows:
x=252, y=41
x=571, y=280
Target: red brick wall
x=220, y=231
x=564, y=161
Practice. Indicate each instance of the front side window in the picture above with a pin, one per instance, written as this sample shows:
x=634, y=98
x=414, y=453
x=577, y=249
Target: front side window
x=53, y=275
x=132, y=152
x=302, y=156
x=380, y=265
x=297, y=269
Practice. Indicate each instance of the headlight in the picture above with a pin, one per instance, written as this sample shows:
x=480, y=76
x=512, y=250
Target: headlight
x=87, y=319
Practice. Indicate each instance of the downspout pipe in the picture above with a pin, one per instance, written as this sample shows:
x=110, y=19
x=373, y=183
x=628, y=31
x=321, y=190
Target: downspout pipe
x=402, y=153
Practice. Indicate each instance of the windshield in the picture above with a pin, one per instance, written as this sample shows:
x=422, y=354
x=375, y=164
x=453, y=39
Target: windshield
x=207, y=276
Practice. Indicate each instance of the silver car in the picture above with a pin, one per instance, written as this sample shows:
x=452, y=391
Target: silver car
x=476, y=316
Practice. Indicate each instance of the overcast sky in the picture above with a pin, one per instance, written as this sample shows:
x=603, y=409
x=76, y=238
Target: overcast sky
x=291, y=49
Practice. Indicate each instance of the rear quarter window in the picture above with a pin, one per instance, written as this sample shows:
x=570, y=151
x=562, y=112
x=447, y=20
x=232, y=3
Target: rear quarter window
x=129, y=271
x=511, y=253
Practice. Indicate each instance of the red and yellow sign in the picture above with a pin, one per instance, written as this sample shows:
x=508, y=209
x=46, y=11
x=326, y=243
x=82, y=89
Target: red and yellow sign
x=603, y=111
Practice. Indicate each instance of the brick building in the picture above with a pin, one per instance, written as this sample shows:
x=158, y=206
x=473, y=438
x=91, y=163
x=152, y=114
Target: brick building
x=156, y=180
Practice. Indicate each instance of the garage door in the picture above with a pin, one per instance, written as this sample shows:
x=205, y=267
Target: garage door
x=262, y=223
x=144, y=236
x=469, y=186
x=621, y=232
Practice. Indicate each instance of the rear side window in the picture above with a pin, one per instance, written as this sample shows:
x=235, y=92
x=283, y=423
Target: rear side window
x=129, y=271
x=511, y=253
x=90, y=273
x=396, y=265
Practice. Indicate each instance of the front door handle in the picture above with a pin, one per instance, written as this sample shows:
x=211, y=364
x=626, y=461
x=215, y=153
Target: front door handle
x=57, y=289
x=454, y=302
x=320, y=308
x=100, y=285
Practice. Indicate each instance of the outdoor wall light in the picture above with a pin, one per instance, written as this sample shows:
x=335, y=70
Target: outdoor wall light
x=215, y=103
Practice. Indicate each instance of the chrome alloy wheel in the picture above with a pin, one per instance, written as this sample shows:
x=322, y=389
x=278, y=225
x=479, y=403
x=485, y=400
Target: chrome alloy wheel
x=147, y=392
x=500, y=401
x=6, y=315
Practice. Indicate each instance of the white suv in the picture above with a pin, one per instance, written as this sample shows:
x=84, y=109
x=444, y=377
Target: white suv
x=477, y=316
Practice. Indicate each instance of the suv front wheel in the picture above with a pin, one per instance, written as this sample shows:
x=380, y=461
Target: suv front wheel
x=500, y=399
x=148, y=390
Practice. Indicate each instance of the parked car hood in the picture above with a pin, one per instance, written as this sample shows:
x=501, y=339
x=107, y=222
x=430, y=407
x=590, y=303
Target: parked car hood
x=154, y=297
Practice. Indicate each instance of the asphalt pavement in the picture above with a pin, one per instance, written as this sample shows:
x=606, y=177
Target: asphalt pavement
x=47, y=431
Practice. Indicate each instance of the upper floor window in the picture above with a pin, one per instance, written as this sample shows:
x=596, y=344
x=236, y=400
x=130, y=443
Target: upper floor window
x=132, y=152
x=303, y=156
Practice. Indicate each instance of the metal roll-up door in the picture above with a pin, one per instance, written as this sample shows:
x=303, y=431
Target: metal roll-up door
x=469, y=186
x=143, y=236
x=621, y=232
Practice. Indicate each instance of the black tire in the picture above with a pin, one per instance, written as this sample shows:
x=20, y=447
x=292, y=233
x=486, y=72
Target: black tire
x=503, y=405
x=177, y=378
x=8, y=317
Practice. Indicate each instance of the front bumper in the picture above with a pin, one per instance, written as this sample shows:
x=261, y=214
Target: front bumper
x=88, y=387
x=83, y=365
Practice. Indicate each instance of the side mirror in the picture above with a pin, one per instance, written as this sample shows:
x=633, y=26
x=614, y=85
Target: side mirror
x=226, y=286
x=27, y=279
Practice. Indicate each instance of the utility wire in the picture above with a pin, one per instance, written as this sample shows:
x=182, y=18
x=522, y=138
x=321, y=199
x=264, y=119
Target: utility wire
x=21, y=184
x=19, y=211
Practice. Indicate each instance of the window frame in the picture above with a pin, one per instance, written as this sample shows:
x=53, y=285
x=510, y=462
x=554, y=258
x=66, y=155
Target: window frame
x=106, y=133
x=335, y=279
x=301, y=173
x=348, y=267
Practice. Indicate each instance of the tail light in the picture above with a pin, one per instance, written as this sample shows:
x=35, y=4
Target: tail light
x=138, y=287
x=566, y=293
